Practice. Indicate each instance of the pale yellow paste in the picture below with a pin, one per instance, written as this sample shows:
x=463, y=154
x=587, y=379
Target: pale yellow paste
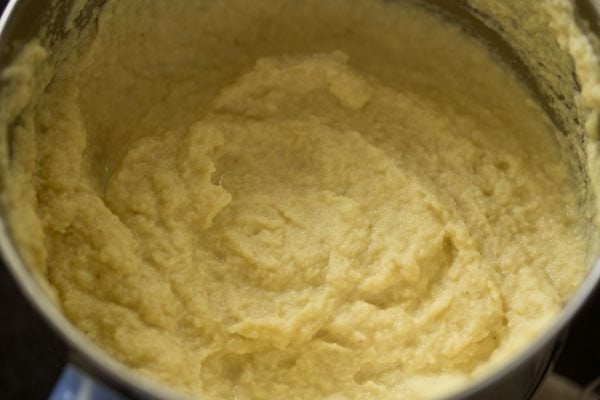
x=296, y=199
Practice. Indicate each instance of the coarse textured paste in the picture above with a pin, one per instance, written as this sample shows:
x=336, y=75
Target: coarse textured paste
x=294, y=199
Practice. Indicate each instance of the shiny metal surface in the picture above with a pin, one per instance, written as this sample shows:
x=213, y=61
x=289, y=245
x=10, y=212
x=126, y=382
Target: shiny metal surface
x=516, y=380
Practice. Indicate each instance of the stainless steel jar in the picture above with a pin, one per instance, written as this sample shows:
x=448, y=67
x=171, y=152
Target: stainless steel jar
x=22, y=20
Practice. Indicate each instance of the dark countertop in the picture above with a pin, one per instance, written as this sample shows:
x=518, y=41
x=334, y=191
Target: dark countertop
x=31, y=355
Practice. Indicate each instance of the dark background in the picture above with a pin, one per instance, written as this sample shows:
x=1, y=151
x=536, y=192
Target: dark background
x=32, y=357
